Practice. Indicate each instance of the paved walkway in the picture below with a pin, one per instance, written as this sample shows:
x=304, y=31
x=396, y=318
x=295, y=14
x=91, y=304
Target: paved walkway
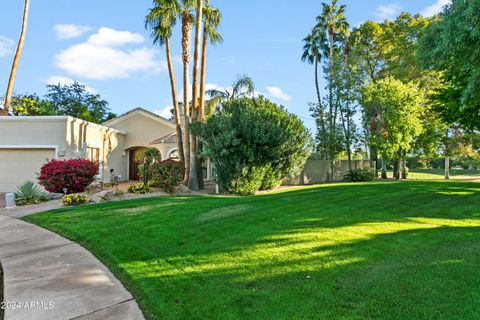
x=47, y=277
x=22, y=211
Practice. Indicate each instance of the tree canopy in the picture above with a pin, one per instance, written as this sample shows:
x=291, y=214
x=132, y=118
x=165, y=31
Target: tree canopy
x=450, y=44
x=63, y=100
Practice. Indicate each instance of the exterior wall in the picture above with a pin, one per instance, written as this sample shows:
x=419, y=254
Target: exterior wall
x=69, y=137
x=141, y=130
x=110, y=143
x=315, y=171
x=30, y=131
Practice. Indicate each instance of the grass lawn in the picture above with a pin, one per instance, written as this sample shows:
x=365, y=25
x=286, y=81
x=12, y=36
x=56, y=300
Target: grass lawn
x=439, y=174
x=393, y=250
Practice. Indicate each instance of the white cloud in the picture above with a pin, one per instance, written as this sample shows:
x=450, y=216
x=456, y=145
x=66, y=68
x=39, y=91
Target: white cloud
x=165, y=112
x=278, y=93
x=99, y=58
x=388, y=11
x=55, y=80
x=435, y=8
x=5, y=46
x=106, y=37
x=70, y=31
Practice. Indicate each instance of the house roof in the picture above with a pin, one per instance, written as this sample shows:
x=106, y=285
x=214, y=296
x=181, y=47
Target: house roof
x=135, y=111
x=169, y=138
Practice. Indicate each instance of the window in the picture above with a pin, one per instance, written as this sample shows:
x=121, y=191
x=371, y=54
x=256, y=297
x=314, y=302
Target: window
x=93, y=154
x=174, y=155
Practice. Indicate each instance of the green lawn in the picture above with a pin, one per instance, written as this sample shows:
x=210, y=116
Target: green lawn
x=439, y=174
x=394, y=250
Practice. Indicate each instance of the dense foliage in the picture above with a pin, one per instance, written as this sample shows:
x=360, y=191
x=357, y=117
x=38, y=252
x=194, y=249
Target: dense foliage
x=167, y=175
x=29, y=193
x=139, y=188
x=254, y=144
x=63, y=100
x=147, y=157
x=359, y=175
x=450, y=45
x=71, y=176
x=74, y=199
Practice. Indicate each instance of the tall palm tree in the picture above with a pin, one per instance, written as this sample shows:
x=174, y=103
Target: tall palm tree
x=193, y=180
x=242, y=87
x=333, y=23
x=161, y=20
x=314, y=46
x=211, y=21
x=187, y=19
x=11, y=80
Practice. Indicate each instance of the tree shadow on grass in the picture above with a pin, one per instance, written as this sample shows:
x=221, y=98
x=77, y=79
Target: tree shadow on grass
x=414, y=274
x=352, y=251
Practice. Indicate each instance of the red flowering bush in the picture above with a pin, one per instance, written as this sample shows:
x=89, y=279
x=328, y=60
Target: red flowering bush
x=74, y=175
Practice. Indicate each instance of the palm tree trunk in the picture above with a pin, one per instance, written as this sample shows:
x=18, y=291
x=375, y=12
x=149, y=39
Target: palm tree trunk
x=320, y=111
x=331, y=129
x=203, y=76
x=186, y=27
x=201, y=107
x=193, y=179
x=178, y=121
x=11, y=80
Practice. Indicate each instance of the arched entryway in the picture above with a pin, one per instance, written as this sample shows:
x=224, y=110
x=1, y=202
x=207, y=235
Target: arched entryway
x=134, y=162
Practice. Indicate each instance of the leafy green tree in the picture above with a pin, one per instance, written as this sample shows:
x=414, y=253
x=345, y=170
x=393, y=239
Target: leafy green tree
x=254, y=144
x=399, y=110
x=450, y=45
x=74, y=100
x=31, y=105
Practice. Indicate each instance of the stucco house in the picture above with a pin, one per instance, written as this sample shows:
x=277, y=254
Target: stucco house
x=26, y=143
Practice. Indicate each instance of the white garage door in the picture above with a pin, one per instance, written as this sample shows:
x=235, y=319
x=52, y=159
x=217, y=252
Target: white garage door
x=20, y=165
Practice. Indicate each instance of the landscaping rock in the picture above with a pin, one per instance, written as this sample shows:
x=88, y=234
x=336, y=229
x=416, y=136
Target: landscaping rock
x=183, y=189
x=55, y=196
x=107, y=195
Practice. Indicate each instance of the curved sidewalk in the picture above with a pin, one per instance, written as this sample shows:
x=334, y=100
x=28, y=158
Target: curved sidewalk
x=47, y=277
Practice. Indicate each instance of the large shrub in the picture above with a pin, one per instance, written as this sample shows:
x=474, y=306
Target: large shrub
x=167, y=175
x=254, y=144
x=73, y=175
x=359, y=175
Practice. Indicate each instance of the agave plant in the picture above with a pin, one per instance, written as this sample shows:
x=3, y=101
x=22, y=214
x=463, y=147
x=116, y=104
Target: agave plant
x=29, y=193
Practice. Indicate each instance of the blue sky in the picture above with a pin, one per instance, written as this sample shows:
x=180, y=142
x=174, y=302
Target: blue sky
x=104, y=45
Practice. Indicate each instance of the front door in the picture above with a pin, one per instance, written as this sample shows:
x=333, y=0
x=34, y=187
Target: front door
x=134, y=163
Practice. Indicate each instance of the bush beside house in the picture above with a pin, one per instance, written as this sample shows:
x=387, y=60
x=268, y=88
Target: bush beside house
x=68, y=176
x=254, y=143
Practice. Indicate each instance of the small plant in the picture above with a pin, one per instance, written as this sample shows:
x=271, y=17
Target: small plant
x=167, y=175
x=72, y=175
x=74, y=199
x=139, y=188
x=359, y=175
x=29, y=193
